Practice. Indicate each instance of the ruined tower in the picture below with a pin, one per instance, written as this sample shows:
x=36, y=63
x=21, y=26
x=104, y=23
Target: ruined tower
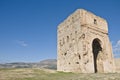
x=83, y=44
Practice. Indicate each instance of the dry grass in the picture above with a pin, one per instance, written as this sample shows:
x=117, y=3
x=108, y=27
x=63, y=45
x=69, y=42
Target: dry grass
x=44, y=74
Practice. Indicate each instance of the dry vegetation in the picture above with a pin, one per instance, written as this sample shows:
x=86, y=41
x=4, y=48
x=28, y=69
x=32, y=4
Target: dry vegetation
x=44, y=74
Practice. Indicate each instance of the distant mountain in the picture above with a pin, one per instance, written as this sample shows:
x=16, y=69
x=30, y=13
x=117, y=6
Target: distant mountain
x=49, y=64
x=16, y=65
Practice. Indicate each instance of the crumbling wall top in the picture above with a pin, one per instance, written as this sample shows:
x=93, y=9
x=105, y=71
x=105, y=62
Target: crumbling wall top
x=86, y=18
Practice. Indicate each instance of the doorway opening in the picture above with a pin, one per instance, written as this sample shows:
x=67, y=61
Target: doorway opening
x=96, y=48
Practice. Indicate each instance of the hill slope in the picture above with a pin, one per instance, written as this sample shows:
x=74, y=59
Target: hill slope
x=49, y=64
x=46, y=74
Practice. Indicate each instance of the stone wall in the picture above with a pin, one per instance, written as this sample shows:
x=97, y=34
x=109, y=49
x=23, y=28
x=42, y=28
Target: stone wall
x=76, y=51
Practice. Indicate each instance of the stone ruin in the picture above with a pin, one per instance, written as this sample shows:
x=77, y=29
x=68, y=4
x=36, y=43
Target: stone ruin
x=83, y=44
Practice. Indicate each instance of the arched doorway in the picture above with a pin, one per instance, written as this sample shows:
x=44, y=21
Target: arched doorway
x=96, y=48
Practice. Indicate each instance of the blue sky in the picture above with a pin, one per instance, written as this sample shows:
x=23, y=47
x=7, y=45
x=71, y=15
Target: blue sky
x=28, y=28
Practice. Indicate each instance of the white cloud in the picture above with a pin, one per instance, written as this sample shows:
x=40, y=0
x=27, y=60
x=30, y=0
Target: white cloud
x=22, y=43
x=116, y=49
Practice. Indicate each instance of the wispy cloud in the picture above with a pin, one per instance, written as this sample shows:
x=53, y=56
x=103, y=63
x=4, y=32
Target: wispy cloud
x=22, y=43
x=116, y=49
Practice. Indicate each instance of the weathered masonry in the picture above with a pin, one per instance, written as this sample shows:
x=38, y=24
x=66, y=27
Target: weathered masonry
x=83, y=44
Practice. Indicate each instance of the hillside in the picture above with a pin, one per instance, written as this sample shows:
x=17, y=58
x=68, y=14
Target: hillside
x=49, y=64
x=46, y=74
x=37, y=71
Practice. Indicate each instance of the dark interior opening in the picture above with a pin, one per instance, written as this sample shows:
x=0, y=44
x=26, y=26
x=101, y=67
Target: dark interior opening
x=96, y=46
x=95, y=21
